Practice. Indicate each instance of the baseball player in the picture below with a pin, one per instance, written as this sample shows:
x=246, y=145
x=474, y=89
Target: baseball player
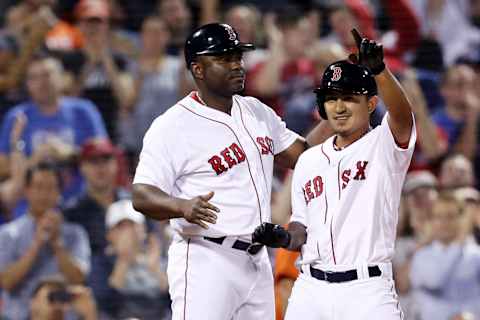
x=207, y=164
x=346, y=193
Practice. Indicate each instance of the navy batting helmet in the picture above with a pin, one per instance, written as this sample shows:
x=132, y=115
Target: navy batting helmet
x=213, y=39
x=346, y=77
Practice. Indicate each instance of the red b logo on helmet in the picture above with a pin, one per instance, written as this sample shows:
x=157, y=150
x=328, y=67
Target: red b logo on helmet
x=337, y=73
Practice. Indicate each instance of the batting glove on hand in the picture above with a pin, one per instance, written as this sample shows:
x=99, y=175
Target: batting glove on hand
x=370, y=54
x=271, y=235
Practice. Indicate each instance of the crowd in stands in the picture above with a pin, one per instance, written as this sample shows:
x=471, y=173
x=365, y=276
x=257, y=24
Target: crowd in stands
x=82, y=80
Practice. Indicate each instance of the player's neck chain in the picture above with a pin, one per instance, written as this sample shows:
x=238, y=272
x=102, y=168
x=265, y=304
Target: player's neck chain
x=337, y=148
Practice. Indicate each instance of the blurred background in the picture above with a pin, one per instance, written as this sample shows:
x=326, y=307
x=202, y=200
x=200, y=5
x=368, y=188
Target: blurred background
x=81, y=81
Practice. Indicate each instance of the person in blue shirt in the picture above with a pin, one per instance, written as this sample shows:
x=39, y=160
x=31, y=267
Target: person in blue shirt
x=445, y=275
x=40, y=244
x=56, y=126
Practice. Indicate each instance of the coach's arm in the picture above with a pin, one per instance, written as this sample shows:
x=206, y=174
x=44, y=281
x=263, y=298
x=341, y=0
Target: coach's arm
x=156, y=204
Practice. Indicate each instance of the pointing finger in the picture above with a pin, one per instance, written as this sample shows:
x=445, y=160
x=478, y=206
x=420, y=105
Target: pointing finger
x=357, y=37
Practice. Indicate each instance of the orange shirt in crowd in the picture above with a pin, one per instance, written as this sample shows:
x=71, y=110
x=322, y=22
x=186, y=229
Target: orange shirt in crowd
x=64, y=36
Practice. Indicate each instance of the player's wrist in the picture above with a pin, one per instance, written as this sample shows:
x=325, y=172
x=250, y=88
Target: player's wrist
x=181, y=205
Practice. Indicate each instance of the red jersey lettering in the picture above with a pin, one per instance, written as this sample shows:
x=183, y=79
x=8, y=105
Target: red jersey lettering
x=217, y=165
x=361, y=166
x=238, y=152
x=346, y=177
x=228, y=158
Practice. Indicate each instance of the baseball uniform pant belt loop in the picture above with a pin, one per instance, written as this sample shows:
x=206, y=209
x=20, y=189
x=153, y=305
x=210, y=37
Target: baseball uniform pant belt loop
x=344, y=276
x=238, y=244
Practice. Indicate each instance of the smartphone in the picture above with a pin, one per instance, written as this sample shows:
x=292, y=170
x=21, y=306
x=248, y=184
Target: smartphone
x=60, y=296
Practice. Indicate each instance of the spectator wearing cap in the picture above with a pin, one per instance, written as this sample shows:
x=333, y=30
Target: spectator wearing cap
x=55, y=128
x=445, y=274
x=39, y=244
x=137, y=271
x=100, y=73
x=99, y=167
x=418, y=195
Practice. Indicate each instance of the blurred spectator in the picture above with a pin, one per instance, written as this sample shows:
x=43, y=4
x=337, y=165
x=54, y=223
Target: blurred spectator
x=30, y=16
x=54, y=299
x=285, y=275
x=448, y=23
x=39, y=244
x=123, y=41
x=55, y=125
x=403, y=37
x=12, y=68
x=178, y=19
x=445, y=274
x=456, y=171
x=136, y=12
x=432, y=141
x=11, y=189
x=156, y=83
x=414, y=231
x=37, y=17
x=286, y=78
x=475, y=12
x=17, y=47
x=246, y=20
x=99, y=166
x=138, y=274
x=470, y=197
x=100, y=73
x=460, y=114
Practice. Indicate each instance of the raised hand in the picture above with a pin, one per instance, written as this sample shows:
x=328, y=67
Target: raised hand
x=198, y=210
x=370, y=54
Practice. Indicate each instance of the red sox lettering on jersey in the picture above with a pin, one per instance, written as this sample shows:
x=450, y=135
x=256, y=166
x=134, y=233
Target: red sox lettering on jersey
x=332, y=196
x=234, y=155
x=193, y=149
x=313, y=188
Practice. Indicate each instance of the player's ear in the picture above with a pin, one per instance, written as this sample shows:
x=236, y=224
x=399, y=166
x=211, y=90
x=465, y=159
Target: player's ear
x=372, y=104
x=197, y=70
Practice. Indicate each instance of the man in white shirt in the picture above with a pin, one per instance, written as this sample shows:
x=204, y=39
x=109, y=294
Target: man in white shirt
x=207, y=165
x=346, y=193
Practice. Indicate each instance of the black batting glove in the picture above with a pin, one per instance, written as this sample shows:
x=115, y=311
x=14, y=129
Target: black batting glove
x=370, y=54
x=271, y=235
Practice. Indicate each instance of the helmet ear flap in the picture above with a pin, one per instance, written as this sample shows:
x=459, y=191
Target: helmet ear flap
x=321, y=105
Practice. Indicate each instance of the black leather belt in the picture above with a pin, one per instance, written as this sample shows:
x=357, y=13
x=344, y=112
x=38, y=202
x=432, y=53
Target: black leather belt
x=344, y=276
x=238, y=244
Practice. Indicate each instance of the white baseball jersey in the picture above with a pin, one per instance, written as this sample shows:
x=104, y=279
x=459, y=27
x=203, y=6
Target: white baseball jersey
x=193, y=149
x=348, y=199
